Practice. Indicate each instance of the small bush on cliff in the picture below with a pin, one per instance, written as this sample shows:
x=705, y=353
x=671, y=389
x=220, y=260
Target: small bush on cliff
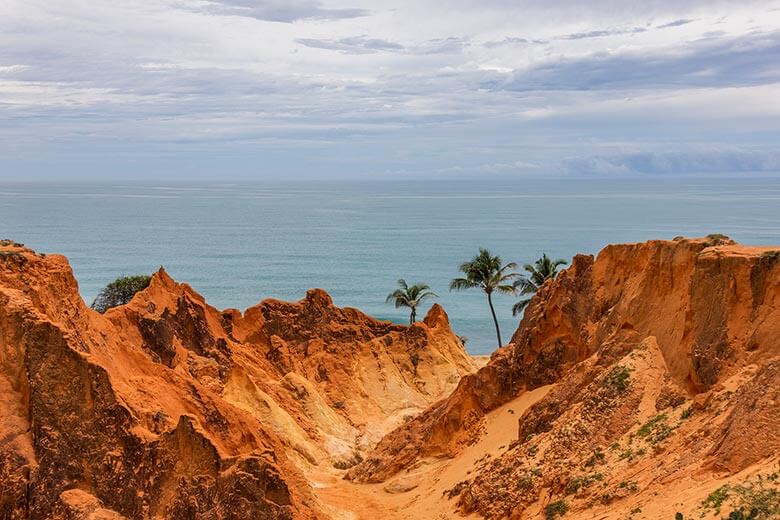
x=618, y=378
x=656, y=429
x=555, y=509
x=120, y=291
x=718, y=239
x=770, y=256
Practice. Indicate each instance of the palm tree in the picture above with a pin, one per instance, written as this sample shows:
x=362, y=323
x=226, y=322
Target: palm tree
x=410, y=297
x=543, y=269
x=485, y=272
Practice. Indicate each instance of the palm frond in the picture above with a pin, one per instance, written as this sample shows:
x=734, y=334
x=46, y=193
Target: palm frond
x=506, y=289
x=458, y=284
x=518, y=307
x=426, y=295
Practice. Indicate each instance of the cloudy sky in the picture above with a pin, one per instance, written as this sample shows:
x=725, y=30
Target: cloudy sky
x=245, y=89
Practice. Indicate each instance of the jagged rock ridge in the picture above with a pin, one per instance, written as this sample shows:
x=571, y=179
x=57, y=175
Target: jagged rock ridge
x=167, y=407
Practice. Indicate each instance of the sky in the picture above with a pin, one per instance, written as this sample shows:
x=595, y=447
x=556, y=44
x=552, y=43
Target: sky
x=309, y=89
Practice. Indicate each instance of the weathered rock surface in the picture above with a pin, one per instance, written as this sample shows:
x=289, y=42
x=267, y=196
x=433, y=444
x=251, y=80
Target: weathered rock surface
x=169, y=408
x=663, y=359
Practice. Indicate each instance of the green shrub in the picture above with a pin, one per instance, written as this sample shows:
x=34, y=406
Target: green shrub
x=718, y=239
x=120, y=292
x=556, y=509
x=618, y=378
x=577, y=483
x=655, y=430
x=770, y=256
x=716, y=499
x=755, y=501
x=598, y=457
x=749, y=500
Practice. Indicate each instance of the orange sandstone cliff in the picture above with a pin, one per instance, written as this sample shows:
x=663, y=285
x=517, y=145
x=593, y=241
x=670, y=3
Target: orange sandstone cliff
x=640, y=384
x=170, y=408
x=643, y=383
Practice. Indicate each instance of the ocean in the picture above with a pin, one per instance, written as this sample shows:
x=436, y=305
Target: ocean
x=240, y=243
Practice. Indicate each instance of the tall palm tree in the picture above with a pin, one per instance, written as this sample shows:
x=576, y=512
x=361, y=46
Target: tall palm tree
x=485, y=272
x=411, y=297
x=543, y=269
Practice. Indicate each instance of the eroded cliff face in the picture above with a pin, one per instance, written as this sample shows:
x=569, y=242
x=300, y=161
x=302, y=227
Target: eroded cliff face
x=659, y=363
x=167, y=407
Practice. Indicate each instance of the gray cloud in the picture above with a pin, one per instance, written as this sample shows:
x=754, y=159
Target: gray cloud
x=676, y=23
x=601, y=33
x=596, y=33
x=710, y=62
x=366, y=45
x=353, y=45
x=279, y=10
x=509, y=40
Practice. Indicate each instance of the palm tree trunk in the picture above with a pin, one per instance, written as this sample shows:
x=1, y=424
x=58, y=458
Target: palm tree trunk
x=413, y=316
x=495, y=320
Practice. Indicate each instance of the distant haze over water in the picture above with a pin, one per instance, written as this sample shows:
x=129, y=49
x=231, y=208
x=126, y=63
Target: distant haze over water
x=239, y=243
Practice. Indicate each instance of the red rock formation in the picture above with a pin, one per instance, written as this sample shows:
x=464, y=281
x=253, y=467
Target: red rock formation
x=169, y=408
x=661, y=325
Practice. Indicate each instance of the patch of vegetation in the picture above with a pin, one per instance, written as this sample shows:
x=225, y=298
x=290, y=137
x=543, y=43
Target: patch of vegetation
x=556, y=509
x=678, y=238
x=582, y=482
x=770, y=256
x=655, y=430
x=120, y=292
x=678, y=516
x=577, y=483
x=526, y=481
x=716, y=499
x=686, y=413
x=754, y=500
x=15, y=256
x=10, y=243
x=630, y=485
x=597, y=457
x=619, y=378
x=717, y=239
x=628, y=453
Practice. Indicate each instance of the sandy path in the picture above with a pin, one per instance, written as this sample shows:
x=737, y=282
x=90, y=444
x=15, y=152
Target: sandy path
x=431, y=477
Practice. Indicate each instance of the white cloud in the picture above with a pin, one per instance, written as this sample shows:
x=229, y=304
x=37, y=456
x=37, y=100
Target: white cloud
x=479, y=87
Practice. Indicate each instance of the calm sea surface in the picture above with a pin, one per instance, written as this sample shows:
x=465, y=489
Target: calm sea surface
x=238, y=244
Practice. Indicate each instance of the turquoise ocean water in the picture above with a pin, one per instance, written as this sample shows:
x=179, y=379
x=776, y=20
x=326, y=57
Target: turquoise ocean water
x=240, y=243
